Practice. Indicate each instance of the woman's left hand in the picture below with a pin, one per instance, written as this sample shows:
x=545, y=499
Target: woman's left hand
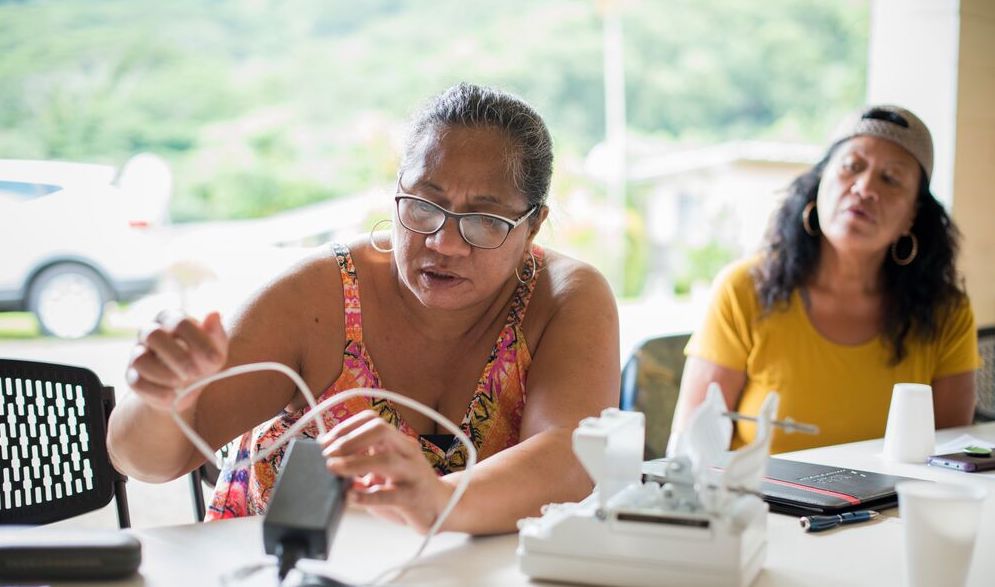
x=391, y=477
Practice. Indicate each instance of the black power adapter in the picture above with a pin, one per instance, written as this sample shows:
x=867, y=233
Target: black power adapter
x=306, y=507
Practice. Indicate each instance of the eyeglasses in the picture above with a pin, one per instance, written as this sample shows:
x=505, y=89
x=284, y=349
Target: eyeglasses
x=478, y=229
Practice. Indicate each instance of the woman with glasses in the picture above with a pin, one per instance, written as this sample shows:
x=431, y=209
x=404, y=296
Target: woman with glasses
x=454, y=307
x=855, y=290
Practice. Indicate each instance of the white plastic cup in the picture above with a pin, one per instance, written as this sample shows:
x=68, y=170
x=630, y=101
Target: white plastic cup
x=941, y=523
x=911, y=434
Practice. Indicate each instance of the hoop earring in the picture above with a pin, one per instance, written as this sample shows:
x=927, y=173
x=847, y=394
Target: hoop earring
x=805, y=219
x=530, y=273
x=912, y=254
x=373, y=241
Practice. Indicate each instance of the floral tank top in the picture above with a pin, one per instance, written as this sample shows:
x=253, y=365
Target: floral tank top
x=492, y=420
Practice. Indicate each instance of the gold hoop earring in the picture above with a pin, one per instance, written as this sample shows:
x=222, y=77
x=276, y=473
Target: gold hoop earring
x=912, y=254
x=805, y=219
x=373, y=241
x=530, y=274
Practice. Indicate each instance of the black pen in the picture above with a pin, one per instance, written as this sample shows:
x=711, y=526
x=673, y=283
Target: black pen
x=820, y=523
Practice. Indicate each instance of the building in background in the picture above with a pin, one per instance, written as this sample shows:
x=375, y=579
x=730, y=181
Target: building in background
x=702, y=206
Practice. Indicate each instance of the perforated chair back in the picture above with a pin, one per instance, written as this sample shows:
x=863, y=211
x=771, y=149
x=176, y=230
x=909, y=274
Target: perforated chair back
x=53, y=451
x=985, y=376
x=651, y=382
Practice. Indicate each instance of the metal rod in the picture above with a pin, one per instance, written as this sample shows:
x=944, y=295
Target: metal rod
x=740, y=490
x=787, y=424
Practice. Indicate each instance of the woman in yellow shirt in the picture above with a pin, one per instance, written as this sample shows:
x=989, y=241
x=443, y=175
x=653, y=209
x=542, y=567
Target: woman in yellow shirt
x=855, y=290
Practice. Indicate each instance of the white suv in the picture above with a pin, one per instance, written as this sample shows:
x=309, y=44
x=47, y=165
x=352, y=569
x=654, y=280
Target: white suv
x=71, y=241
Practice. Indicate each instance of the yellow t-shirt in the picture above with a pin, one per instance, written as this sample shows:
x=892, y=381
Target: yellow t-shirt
x=844, y=389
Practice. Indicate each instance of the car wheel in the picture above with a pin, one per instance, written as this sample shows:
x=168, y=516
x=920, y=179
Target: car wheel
x=68, y=300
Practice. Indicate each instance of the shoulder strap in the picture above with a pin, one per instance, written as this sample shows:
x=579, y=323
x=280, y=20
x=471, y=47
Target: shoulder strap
x=350, y=293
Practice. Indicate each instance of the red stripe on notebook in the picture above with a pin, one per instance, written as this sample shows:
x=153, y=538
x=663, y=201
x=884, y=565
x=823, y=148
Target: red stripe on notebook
x=848, y=498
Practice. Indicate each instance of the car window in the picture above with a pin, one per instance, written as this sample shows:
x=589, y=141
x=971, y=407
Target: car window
x=26, y=190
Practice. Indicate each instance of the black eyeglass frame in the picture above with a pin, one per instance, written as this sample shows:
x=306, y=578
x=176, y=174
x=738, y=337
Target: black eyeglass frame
x=459, y=216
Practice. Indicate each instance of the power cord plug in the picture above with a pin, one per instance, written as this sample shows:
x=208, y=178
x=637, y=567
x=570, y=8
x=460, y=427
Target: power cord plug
x=305, y=509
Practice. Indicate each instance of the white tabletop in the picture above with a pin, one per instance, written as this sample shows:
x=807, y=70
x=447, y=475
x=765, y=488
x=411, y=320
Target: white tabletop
x=871, y=553
x=864, y=554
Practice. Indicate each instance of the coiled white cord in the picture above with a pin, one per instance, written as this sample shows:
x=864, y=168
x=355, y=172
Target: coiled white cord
x=315, y=411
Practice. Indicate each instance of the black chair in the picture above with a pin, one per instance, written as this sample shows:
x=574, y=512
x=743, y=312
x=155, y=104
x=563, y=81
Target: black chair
x=53, y=451
x=206, y=474
x=985, y=376
x=197, y=478
x=651, y=382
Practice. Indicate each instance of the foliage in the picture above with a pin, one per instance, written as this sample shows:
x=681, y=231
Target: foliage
x=725, y=68
x=636, y=255
x=701, y=263
x=102, y=79
x=264, y=105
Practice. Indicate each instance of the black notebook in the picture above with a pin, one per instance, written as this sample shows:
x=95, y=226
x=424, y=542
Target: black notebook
x=792, y=487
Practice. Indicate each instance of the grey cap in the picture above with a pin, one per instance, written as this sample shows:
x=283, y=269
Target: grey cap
x=895, y=124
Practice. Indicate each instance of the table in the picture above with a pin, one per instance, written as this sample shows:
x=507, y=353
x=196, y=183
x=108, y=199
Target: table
x=866, y=554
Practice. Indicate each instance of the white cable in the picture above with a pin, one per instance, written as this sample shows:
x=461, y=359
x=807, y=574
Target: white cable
x=203, y=447
x=196, y=439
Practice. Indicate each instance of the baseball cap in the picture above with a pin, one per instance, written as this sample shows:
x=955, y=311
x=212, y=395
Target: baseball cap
x=892, y=123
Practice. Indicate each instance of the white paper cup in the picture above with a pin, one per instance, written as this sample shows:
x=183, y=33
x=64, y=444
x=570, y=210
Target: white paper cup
x=911, y=433
x=941, y=522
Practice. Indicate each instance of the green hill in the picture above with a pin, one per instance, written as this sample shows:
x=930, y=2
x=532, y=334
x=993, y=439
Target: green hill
x=264, y=105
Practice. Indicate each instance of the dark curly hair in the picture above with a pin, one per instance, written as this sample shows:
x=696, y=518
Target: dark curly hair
x=916, y=296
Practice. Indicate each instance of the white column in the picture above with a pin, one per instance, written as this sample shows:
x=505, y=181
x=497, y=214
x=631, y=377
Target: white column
x=912, y=62
x=615, y=139
x=974, y=167
x=937, y=58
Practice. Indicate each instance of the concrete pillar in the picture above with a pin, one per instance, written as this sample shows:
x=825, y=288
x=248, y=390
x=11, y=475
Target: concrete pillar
x=937, y=58
x=974, y=167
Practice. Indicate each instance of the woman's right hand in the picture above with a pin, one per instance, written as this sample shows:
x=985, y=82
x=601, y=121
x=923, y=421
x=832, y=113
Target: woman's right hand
x=174, y=352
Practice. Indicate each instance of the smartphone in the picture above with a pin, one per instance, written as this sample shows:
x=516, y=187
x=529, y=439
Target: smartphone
x=964, y=462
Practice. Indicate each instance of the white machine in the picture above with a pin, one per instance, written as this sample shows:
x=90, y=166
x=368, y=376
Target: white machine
x=704, y=525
